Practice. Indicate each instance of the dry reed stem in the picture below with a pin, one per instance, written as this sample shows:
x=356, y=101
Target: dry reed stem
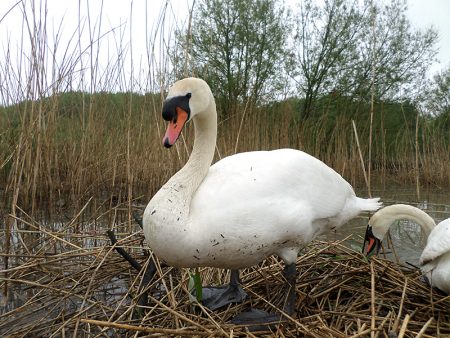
x=404, y=325
x=372, y=300
x=424, y=328
x=59, y=292
x=128, y=327
x=361, y=156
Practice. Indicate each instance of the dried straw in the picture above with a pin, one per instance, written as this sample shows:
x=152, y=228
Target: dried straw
x=73, y=282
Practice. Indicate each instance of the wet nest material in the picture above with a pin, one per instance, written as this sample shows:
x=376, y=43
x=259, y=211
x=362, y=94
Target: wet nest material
x=79, y=285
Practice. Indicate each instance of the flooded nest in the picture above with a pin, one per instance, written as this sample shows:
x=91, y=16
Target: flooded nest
x=94, y=292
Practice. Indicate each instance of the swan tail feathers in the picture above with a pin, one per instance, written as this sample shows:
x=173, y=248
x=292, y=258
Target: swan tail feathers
x=370, y=204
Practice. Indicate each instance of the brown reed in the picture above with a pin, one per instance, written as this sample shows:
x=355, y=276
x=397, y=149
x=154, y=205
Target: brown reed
x=61, y=145
x=62, y=281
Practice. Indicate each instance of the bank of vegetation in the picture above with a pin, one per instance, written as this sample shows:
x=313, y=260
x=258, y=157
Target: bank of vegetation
x=343, y=81
x=59, y=152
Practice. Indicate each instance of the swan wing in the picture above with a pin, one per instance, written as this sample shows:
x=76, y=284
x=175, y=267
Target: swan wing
x=271, y=188
x=438, y=242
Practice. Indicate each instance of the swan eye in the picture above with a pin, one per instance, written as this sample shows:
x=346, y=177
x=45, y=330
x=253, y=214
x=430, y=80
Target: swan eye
x=189, y=95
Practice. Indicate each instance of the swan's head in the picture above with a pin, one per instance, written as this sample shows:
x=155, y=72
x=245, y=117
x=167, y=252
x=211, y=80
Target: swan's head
x=372, y=244
x=186, y=99
x=382, y=220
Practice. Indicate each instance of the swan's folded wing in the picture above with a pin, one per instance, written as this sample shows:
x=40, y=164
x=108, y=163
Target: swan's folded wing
x=251, y=183
x=438, y=243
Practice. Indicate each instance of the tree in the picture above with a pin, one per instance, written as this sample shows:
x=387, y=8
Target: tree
x=325, y=37
x=238, y=46
x=401, y=55
x=339, y=42
x=437, y=98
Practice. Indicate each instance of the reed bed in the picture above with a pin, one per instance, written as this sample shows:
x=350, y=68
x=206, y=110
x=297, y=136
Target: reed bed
x=67, y=278
x=71, y=129
x=108, y=157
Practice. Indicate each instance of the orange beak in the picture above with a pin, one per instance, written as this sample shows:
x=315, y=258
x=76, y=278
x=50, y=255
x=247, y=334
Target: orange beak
x=175, y=127
x=371, y=243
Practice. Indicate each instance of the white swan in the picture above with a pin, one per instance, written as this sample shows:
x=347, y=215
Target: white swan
x=245, y=207
x=435, y=258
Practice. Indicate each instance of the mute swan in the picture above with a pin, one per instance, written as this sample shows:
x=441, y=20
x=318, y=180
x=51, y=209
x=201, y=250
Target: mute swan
x=245, y=207
x=435, y=258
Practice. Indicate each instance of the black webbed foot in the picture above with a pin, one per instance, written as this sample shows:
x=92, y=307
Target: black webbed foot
x=257, y=320
x=215, y=297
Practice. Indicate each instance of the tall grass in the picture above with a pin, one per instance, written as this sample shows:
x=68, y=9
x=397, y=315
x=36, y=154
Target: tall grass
x=66, y=135
x=53, y=150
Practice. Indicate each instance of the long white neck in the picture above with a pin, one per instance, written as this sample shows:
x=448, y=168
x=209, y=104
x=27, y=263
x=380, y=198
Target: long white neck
x=384, y=218
x=196, y=168
x=166, y=218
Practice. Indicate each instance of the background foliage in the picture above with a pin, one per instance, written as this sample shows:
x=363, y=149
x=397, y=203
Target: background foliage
x=283, y=77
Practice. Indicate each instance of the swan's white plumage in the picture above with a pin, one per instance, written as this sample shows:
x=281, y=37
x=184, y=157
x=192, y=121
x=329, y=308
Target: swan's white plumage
x=264, y=198
x=247, y=206
x=435, y=258
x=438, y=242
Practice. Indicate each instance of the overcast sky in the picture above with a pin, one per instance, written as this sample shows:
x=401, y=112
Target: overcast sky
x=436, y=13
x=117, y=13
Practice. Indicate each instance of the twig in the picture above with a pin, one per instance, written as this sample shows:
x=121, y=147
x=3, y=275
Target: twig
x=138, y=219
x=134, y=263
x=360, y=156
x=424, y=328
x=179, y=332
x=400, y=310
x=372, y=299
x=404, y=325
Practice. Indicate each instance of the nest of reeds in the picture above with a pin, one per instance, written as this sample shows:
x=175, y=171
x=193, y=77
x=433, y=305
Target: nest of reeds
x=63, y=286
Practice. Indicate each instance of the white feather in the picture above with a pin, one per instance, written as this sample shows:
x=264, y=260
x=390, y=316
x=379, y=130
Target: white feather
x=245, y=207
x=436, y=256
